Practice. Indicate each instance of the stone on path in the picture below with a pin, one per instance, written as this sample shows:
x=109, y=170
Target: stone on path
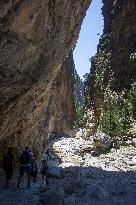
x=54, y=172
x=67, y=164
x=53, y=197
x=134, y=141
x=70, y=200
x=102, y=141
x=101, y=194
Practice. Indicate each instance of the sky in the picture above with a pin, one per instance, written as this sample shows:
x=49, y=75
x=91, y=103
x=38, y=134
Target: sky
x=88, y=39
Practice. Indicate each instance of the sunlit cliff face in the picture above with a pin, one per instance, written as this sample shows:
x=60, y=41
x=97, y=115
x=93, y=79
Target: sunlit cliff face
x=35, y=39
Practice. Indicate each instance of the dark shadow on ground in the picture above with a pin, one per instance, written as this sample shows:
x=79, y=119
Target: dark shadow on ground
x=82, y=186
x=90, y=186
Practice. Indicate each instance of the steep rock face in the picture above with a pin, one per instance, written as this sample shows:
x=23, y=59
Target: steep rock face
x=96, y=85
x=35, y=38
x=119, y=20
x=107, y=14
x=113, y=66
x=124, y=42
x=61, y=104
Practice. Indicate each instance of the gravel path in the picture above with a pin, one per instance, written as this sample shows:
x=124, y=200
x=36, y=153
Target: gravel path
x=18, y=196
x=108, y=179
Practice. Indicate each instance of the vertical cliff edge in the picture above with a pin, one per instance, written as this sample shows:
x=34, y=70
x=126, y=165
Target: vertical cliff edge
x=35, y=39
x=110, y=96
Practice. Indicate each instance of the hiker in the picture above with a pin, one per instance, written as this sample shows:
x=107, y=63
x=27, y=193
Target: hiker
x=25, y=165
x=34, y=168
x=8, y=165
x=45, y=166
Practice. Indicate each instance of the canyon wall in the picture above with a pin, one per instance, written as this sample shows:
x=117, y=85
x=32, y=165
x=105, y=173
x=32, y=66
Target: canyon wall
x=119, y=20
x=35, y=39
x=61, y=109
x=113, y=67
x=124, y=43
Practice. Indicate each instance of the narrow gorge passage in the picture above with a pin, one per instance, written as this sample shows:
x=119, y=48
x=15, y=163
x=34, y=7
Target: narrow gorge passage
x=88, y=126
x=77, y=177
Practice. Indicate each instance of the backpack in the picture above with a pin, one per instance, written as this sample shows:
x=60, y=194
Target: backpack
x=25, y=158
x=7, y=160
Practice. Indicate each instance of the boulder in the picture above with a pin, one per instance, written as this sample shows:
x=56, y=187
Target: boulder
x=54, y=172
x=53, y=197
x=74, y=186
x=86, y=148
x=70, y=200
x=69, y=188
x=101, y=194
x=134, y=141
x=102, y=141
x=66, y=164
x=134, y=160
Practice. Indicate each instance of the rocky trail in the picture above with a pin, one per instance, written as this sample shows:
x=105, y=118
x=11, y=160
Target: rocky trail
x=15, y=196
x=77, y=177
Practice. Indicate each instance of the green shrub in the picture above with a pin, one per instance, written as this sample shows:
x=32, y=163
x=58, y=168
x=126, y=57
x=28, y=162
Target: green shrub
x=118, y=118
x=79, y=114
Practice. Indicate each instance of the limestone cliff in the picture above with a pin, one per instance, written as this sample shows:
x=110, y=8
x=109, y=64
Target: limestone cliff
x=123, y=42
x=35, y=39
x=61, y=110
x=119, y=20
x=113, y=67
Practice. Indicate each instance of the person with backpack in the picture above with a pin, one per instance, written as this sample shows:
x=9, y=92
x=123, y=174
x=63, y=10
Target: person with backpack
x=25, y=165
x=8, y=165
